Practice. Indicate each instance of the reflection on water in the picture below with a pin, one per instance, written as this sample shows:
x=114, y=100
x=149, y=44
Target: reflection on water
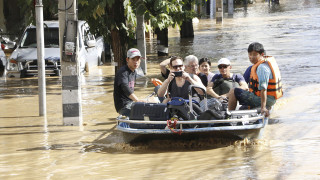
x=41, y=148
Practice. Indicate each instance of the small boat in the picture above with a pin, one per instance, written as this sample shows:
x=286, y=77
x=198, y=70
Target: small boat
x=184, y=117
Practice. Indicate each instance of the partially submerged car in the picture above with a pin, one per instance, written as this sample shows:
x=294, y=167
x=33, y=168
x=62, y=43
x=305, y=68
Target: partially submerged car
x=23, y=61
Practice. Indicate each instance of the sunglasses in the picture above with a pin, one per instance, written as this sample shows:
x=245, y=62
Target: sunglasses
x=177, y=66
x=222, y=66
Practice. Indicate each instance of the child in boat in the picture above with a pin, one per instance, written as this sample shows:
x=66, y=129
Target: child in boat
x=265, y=82
x=204, y=67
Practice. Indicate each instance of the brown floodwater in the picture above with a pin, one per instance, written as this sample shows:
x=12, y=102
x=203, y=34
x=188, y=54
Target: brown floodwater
x=34, y=147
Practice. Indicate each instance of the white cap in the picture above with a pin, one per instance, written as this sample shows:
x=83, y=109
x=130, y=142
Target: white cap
x=224, y=61
x=133, y=52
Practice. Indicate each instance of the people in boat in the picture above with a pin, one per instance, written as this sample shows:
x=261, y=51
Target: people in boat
x=192, y=67
x=204, y=67
x=265, y=82
x=222, y=83
x=124, y=81
x=178, y=81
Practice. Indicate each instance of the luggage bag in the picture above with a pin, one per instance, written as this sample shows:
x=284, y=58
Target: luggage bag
x=149, y=111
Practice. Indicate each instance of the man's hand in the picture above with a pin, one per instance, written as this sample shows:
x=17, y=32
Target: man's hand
x=265, y=112
x=171, y=76
x=186, y=76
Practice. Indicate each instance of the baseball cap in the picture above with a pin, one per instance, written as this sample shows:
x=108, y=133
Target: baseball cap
x=224, y=61
x=133, y=52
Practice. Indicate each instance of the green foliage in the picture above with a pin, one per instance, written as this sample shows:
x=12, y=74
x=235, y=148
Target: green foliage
x=160, y=13
x=131, y=19
x=165, y=13
x=27, y=8
x=93, y=11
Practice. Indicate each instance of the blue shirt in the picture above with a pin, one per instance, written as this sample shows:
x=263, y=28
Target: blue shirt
x=264, y=74
x=246, y=74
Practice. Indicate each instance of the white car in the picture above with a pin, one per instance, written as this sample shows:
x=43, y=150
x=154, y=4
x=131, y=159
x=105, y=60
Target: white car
x=23, y=60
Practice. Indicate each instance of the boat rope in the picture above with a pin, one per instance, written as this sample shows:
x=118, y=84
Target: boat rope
x=172, y=126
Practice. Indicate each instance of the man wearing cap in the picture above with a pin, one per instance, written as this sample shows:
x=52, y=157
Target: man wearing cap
x=221, y=84
x=124, y=81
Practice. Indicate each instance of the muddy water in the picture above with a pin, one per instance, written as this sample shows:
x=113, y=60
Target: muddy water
x=34, y=147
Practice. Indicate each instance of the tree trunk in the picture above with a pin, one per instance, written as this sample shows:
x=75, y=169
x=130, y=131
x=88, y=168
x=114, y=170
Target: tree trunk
x=119, y=39
x=162, y=41
x=12, y=17
x=117, y=49
x=187, y=26
x=186, y=29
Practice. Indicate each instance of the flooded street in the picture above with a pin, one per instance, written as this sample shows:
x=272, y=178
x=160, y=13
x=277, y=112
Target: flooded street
x=34, y=147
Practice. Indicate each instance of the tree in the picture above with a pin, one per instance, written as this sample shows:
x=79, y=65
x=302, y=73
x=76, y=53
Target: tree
x=119, y=38
x=116, y=19
x=109, y=18
x=27, y=7
x=186, y=28
x=22, y=12
x=159, y=13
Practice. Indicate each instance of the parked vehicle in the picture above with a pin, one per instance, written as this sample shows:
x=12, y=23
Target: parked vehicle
x=3, y=62
x=23, y=60
x=6, y=43
x=3, y=59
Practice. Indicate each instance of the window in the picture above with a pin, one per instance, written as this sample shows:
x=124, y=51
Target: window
x=51, y=38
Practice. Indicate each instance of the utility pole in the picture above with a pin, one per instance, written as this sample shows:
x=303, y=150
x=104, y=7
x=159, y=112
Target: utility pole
x=219, y=11
x=70, y=67
x=230, y=8
x=40, y=56
x=212, y=8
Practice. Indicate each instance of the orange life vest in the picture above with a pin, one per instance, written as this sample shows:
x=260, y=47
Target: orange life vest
x=274, y=86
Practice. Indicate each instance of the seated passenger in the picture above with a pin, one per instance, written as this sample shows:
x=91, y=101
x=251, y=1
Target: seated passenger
x=204, y=67
x=192, y=66
x=177, y=85
x=221, y=84
x=124, y=81
x=265, y=82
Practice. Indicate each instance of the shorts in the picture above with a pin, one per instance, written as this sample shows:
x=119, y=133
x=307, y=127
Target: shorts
x=247, y=98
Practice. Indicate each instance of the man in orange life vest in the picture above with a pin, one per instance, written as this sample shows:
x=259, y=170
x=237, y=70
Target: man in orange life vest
x=265, y=82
